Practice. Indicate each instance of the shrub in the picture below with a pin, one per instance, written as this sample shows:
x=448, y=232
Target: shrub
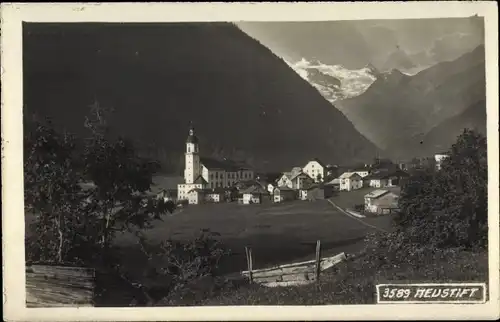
x=448, y=208
x=190, y=265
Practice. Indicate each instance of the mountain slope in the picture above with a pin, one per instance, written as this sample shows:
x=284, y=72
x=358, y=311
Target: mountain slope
x=441, y=137
x=398, y=109
x=245, y=102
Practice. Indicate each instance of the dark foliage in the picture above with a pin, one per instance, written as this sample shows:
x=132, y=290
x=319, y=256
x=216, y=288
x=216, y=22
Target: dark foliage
x=449, y=208
x=80, y=199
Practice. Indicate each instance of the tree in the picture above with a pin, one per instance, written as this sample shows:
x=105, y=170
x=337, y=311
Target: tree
x=52, y=194
x=448, y=208
x=121, y=178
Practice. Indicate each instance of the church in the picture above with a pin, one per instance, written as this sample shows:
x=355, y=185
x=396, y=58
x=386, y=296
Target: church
x=203, y=175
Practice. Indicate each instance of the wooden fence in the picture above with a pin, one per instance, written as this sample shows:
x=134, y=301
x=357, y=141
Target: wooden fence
x=59, y=286
x=291, y=274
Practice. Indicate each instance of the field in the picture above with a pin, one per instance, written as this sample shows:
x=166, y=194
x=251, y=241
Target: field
x=277, y=233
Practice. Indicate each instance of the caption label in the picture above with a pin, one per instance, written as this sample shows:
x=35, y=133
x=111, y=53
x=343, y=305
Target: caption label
x=431, y=293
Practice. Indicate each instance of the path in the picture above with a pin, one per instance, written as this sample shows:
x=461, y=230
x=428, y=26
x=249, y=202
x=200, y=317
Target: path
x=355, y=218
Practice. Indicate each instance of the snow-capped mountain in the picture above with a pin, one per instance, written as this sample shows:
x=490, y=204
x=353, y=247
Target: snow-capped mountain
x=335, y=82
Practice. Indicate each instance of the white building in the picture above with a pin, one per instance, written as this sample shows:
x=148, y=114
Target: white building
x=439, y=158
x=350, y=181
x=206, y=173
x=285, y=180
x=294, y=179
x=315, y=169
x=253, y=195
x=362, y=172
x=381, y=201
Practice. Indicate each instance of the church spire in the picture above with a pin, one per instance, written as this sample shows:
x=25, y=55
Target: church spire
x=192, y=138
x=191, y=128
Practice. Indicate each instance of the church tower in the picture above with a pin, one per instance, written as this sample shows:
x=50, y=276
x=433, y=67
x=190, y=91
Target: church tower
x=192, y=168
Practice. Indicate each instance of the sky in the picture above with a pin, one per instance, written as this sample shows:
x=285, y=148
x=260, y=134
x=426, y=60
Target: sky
x=359, y=42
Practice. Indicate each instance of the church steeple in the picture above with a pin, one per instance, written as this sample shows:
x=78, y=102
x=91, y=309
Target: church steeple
x=192, y=137
x=192, y=169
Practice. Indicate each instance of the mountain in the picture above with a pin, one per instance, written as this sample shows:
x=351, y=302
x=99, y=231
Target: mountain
x=245, y=102
x=398, y=109
x=441, y=137
x=409, y=45
x=335, y=82
x=398, y=59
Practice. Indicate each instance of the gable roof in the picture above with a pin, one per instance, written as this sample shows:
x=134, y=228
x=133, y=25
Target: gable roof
x=197, y=190
x=288, y=175
x=333, y=182
x=199, y=180
x=376, y=194
x=349, y=175
x=248, y=183
x=384, y=174
x=254, y=189
x=300, y=174
x=317, y=160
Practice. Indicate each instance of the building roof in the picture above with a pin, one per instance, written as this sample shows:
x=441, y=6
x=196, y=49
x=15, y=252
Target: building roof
x=199, y=190
x=249, y=183
x=384, y=174
x=225, y=165
x=57, y=286
x=333, y=182
x=199, y=180
x=300, y=174
x=286, y=174
x=317, y=160
x=376, y=194
x=254, y=189
x=349, y=175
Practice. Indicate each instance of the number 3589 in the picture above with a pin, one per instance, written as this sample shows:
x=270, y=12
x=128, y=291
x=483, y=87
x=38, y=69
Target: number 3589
x=396, y=293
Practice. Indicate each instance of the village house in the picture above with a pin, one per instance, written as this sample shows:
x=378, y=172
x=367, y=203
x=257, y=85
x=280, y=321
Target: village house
x=317, y=192
x=335, y=184
x=303, y=191
x=381, y=202
x=439, y=158
x=350, y=181
x=281, y=194
x=381, y=179
x=215, y=195
x=362, y=172
x=294, y=179
x=196, y=196
x=207, y=173
x=315, y=169
x=271, y=187
x=285, y=180
x=253, y=195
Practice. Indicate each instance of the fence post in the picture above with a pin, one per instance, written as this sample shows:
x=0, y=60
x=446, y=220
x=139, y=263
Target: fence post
x=318, y=260
x=248, y=252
